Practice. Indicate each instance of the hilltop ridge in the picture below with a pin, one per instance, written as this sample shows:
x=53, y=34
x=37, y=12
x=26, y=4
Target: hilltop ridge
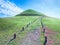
x=30, y=12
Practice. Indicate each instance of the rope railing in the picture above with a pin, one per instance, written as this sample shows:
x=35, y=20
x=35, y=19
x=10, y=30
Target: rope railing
x=43, y=28
x=22, y=29
x=46, y=35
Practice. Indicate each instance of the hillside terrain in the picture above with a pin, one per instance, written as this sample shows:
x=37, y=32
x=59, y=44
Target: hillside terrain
x=31, y=12
x=30, y=20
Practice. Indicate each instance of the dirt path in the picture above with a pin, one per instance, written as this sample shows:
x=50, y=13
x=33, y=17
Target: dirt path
x=32, y=38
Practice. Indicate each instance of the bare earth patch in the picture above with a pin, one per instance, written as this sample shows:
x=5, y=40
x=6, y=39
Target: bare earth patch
x=32, y=38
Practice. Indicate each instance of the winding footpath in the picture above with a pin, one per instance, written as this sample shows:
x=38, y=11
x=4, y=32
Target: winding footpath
x=32, y=38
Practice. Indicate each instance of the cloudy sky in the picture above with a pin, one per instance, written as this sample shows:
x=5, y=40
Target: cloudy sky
x=13, y=7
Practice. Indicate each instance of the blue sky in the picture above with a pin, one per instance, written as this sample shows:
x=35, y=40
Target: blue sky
x=48, y=7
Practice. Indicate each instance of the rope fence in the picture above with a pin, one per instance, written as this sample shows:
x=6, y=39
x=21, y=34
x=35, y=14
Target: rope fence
x=50, y=37
x=43, y=28
x=22, y=29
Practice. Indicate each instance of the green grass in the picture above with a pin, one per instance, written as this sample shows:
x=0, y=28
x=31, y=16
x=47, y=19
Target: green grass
x=52, y=23
x=9, y=26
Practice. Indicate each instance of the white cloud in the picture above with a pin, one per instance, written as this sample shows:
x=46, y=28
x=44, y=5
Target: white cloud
x=8, y=8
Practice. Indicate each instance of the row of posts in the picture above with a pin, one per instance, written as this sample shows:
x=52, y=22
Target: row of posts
x=23, y=28
x=45, y=37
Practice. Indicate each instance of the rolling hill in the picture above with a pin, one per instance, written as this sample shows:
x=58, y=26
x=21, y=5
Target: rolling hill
x=11, y=25
x=30, y=12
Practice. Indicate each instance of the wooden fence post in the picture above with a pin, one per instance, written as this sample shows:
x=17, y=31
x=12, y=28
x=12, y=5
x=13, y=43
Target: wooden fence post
x=45, y=42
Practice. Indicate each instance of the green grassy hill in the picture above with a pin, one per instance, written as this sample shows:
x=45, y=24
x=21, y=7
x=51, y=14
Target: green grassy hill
x=9, y=26
x=30, y=12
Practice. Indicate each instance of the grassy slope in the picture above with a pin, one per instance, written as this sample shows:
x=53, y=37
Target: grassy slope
x=14, y=24
x=53, y=24
x=9, y=26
